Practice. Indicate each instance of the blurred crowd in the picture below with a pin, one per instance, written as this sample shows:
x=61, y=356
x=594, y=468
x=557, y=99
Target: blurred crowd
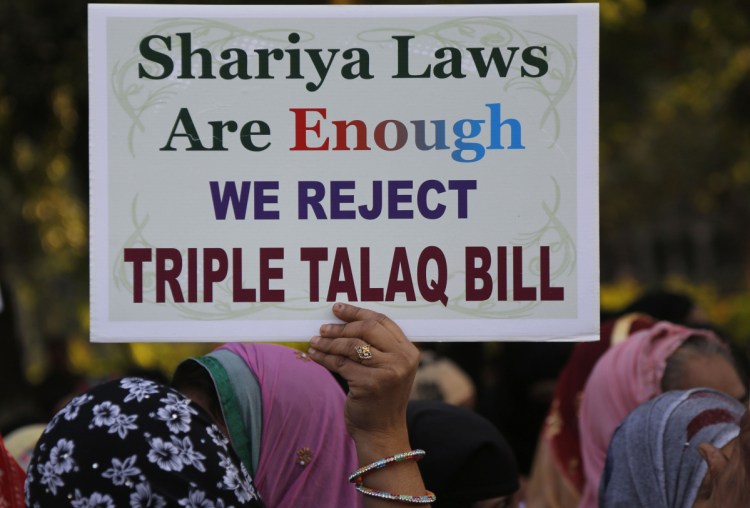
x=650, y=415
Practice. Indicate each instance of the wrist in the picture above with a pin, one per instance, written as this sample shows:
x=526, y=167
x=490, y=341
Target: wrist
x=373, y=445
x=389, y=472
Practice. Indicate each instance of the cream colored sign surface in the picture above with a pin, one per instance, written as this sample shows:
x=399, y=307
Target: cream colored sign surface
x=252, y=165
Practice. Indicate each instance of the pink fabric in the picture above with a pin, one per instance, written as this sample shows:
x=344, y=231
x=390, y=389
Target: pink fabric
x=624, y=377
x=303, y=416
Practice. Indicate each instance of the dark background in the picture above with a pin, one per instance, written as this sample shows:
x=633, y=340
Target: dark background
x=674, y=183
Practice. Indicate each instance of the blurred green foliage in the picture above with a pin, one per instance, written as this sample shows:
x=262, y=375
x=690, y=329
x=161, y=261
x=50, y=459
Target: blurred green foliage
x=675, y=152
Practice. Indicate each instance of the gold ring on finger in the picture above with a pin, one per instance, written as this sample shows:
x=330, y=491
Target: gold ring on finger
x=363, y=352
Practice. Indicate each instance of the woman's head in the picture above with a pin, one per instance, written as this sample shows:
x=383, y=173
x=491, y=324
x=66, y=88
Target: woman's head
x=654, y=459
x=134, y=441
x=664, y=356
x=194, y=381
x=702, y=361
x=468, y=462
x=284, y=415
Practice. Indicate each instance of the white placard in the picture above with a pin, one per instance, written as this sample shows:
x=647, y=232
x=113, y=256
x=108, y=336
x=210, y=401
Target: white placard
x=252, y=165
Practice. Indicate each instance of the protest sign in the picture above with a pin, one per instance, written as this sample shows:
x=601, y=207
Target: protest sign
x=252, y=165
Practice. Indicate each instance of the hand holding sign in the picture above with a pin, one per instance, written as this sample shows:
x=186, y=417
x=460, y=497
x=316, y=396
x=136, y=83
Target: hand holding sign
x=379, y=386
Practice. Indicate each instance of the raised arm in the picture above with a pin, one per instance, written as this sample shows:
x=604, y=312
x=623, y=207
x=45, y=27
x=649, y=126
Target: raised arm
x=372, y=353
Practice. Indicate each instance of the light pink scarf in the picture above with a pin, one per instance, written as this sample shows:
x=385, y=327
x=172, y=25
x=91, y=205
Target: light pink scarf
x=625, y=376
x=306, y=453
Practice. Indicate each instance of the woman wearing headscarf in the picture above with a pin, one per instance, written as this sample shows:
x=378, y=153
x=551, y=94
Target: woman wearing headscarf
x=136, y=443
x=12, y=478
x=133, y=442
x=556, y=479
x=660, y=456
x=283, y=414
x=661, y=358
x=468, y=461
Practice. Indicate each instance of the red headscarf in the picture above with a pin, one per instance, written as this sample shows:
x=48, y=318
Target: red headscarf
x=566, y=441
x=12, y=479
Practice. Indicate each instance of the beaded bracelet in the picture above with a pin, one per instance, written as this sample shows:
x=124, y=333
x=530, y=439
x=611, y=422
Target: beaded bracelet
x=380, y=464
x=428, y=498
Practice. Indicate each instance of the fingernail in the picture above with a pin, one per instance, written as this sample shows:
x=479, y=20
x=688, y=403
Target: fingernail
x=312, y=351
x=324, y=328
x=337, y=307
x=315, y=340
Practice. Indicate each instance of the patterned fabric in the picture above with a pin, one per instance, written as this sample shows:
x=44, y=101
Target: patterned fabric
x=653, y=460
x=134, y=443
x=11, y=480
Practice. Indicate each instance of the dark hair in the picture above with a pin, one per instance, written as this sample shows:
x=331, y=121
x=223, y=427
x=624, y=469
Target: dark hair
x=699, y=345
x=192, y=376
x=663, y=306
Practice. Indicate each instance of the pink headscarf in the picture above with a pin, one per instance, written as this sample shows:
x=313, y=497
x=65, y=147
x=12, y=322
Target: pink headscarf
x=626, y=376
x=303, y=422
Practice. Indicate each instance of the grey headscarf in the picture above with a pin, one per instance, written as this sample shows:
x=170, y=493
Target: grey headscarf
x=653, y=459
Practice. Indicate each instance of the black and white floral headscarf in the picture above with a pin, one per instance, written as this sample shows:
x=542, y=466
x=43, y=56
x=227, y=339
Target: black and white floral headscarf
x=134, y=443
